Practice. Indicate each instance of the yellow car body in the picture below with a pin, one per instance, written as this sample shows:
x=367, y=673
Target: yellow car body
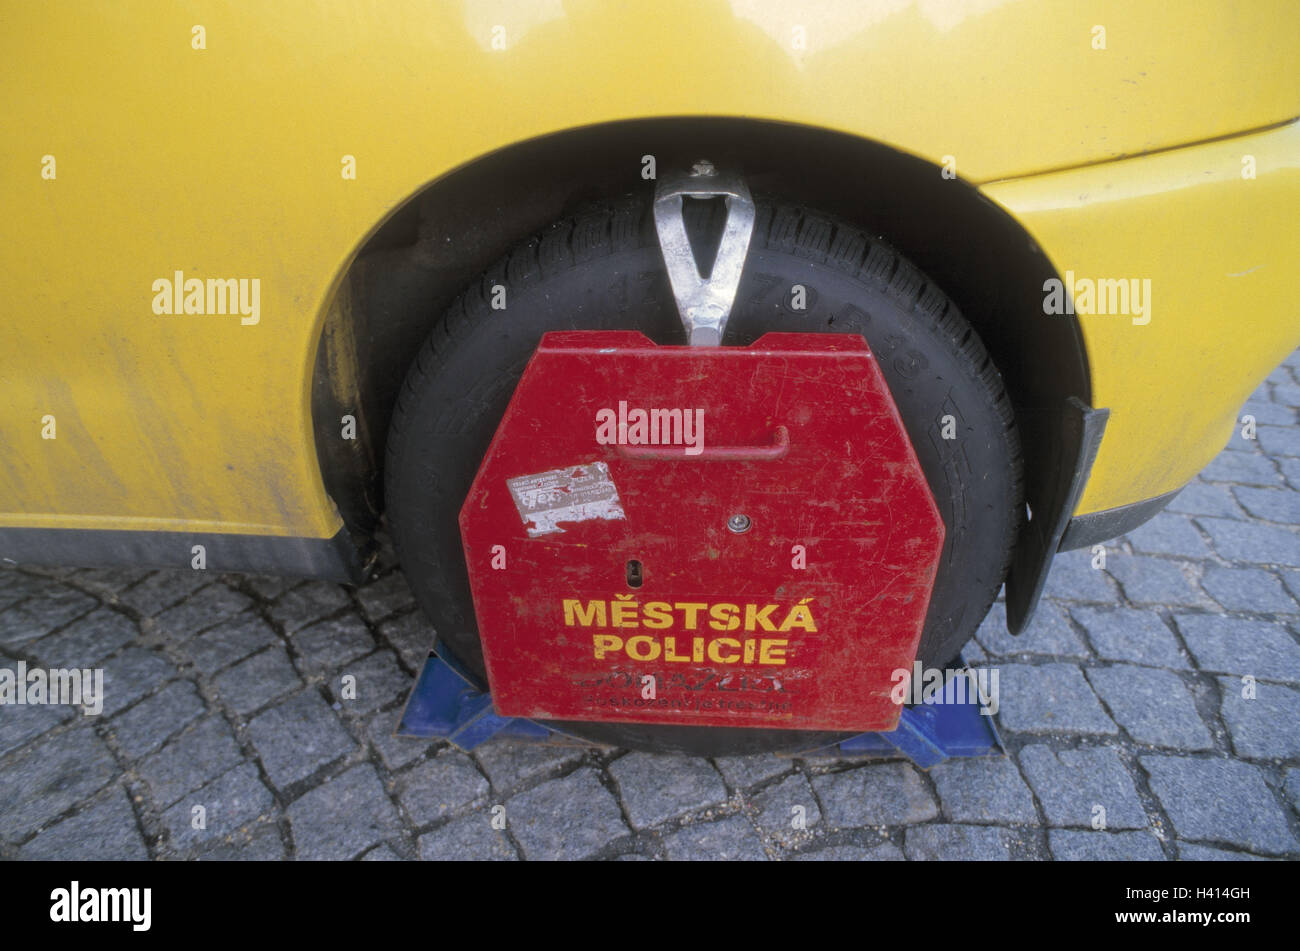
x=147, y=145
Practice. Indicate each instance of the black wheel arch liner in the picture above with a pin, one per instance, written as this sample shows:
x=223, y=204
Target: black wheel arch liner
x=448, y=233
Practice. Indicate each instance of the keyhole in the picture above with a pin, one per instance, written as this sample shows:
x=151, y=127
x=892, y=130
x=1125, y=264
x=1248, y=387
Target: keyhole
x=634, y=574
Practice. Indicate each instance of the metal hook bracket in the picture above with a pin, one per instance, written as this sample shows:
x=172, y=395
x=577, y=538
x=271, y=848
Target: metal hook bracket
x=704, y=304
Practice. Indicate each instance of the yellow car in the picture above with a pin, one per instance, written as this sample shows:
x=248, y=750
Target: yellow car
x=271, y=271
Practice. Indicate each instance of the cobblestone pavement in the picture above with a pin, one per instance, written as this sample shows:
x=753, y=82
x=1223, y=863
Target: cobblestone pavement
x=1126, y=696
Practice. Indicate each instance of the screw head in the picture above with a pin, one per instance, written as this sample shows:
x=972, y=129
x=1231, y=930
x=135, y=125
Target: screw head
x=739, y=523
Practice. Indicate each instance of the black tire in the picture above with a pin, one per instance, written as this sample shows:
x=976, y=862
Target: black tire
x=602, y=269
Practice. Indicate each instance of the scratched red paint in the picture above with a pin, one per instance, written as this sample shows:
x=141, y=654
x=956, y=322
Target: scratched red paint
x=802, y=437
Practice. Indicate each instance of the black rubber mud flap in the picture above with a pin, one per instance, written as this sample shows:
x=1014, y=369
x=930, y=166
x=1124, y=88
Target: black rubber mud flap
x=1084, y=531
x=1072, y=432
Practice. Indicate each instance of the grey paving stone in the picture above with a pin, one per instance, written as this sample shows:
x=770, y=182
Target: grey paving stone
x=569, y=818
x=108, y=582
x=437, y=788
x=1267, y=414
x=1149, y=580
x=875, y=795
x=395, y=751
x=298, y=737
x=1280, y=377
x=201, y=753
x=1051, y=698
x=1292, y=786
x=1291, y=472
x=201, y=610
x=885, y=852
x=1074, y=579
x=378, y=682
x=655, y=788
x=343, y=817
x=983, y=789
x=937, y=842
x=308, y=603
x=1154, y=706
x=104, y=830
x=787, y=810
x=37, y=616
x=973, y=654
x=1070, y=785
x=152, y=721
x=993, y=625
x=234, y=799
x=48, y=777
x=1140, y=636
x=1263, y=649
x=729, y=840
x=253, y=683
x=385, y=597
x=1247, y=589
x=412, y=637
x=1254, y=541
x=381, y=853
x=229, y=642
x=325, y=647
x=1095, y=846
x=269, y=587
x=1239, y=443
x=1241, y=468
x=1205, y=498
x=1219, y=800
x=18, y=585
x=260, y=844
x=87, y=640
x=162, y=589
x=1169, y=534
x=1048, y=633
x=1263, y=727
x=742, y=772
x=1288, y=394
x=132, y=674
x=1279, y=440
x=470, y=838
x=513, y=763
x=1203, y=853
x=20, y=724
x=1272, y=505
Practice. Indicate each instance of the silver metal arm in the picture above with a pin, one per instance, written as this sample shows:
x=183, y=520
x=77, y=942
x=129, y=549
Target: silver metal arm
x=703, y=304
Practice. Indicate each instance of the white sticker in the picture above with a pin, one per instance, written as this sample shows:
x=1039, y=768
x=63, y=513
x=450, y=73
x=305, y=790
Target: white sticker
x=576, y=494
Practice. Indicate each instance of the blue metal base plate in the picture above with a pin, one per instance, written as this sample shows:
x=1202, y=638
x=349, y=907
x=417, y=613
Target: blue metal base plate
x=447, y=703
